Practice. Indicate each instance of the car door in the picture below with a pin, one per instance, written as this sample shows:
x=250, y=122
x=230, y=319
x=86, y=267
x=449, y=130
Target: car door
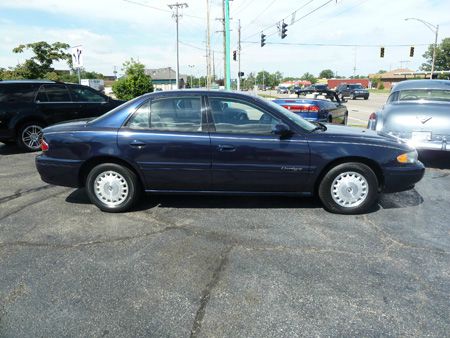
x=247, y=156
x=167, y=139
x=91, y=103
x=337, y=111
x=55, y=104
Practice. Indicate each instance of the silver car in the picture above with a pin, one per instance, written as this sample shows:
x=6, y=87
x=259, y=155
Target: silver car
x=417, y=111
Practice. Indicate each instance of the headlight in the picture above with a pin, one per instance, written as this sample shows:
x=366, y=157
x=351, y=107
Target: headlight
x=410, y=157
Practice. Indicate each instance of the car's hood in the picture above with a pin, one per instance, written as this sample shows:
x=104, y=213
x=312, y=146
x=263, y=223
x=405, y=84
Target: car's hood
x=67, y=126
x=360, y=135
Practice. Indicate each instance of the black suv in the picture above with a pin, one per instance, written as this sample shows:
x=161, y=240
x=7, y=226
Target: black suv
x=27, y=106
x=353, y=91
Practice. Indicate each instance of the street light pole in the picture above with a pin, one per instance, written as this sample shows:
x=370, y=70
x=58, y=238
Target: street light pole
x=192, y=76
x=435, y=30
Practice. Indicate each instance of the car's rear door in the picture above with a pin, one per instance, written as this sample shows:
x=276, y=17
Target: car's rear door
x=167, y=139
x=247, y=156
x=55, y=104
x=91, y=103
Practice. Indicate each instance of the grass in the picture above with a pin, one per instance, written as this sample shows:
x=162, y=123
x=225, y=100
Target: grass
x=381, y=91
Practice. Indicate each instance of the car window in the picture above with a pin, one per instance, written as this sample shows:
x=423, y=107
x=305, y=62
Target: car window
x=53, y=93
x=425, y=94
x=234, y=116
x=17, y=92
x=393, y=97
x=169, y=114
x=84, y=94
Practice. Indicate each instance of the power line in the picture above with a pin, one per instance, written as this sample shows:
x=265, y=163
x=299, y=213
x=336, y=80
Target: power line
x=337, y=45
x=260, y=13
x=161, y=9
x=290, y=15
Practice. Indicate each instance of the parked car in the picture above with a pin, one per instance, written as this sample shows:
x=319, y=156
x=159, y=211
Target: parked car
x=317, y=86
x=223, y=142
x=325, y=106
x=28, y=106
x=417, y=111
x=282, y=90
x=294, y=89
x=353, y=91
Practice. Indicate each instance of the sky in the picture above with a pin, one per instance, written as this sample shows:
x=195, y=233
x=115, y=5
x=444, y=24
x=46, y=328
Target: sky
x=113, y=31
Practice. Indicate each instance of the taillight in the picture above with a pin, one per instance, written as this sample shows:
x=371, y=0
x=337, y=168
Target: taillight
x=44, y=145
x=373, y=116
x=302, y=108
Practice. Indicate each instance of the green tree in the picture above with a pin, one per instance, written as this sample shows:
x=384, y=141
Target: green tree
x=41, y=62
x=249, y=82
x=442, y=56
x=308, y=77
x=382, y=71
x=134, y=83
x=326, y=74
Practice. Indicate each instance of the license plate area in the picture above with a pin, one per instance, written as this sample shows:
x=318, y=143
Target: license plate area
x=421, y=135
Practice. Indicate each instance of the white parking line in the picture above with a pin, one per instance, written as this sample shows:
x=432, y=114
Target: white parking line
x=355, y=119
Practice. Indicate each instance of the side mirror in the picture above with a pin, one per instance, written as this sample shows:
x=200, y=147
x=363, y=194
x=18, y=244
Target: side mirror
x=281, y=130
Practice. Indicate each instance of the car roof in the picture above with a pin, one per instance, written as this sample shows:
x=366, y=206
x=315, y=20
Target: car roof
x=26, y=81
x=422, y=84
x=212, y=92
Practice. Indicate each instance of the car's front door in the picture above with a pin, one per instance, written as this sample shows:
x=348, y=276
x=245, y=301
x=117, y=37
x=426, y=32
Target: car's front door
x=167, y=140
x=55, y=104
x=247, y=156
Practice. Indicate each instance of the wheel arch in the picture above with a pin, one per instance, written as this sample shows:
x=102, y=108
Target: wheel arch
x=358, y=159
x=88, y=165
x=20, y=123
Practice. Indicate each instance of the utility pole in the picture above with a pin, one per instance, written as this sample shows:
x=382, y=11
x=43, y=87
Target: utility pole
x=227, y=44
x=176, y=16
x=239, y=55
x=208, y=48
x=213, y=68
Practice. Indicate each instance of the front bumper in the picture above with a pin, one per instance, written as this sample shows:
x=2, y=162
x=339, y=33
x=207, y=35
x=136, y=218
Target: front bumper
x=401, y=178
x=61, y=172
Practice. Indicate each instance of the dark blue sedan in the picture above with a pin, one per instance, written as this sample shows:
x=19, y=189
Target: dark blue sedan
x=227, y=143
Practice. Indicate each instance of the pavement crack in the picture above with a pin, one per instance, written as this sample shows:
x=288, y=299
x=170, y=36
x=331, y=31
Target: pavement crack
x=206, y=294
x=20, y=192
x=388, y=238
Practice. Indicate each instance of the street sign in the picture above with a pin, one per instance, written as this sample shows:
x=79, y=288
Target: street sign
x=77, y=56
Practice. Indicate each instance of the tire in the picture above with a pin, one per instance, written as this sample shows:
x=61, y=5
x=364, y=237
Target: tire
x=353, y=97
x=29, y=136
x=345, y=121
x=334, y=193
x=366, y=97
x=124, y=187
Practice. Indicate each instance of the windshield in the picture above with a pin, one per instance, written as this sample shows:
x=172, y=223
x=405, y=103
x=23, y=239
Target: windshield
x=298, y=120
x=356, y=87
x=425, y=94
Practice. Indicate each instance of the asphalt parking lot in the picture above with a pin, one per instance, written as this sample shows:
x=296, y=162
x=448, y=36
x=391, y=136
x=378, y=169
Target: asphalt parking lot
x=221, y=266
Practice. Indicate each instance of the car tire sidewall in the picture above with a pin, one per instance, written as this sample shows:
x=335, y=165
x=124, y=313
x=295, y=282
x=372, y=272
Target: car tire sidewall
x=20, y=131
x=129, y=176
x=325, y=188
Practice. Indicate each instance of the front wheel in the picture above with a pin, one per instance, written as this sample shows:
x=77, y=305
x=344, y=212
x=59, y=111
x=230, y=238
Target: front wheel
x=29, y=136
x=349, y=188
x=112, y=187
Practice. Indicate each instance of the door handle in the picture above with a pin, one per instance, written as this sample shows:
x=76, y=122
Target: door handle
x=226, y=148
x=137, y=144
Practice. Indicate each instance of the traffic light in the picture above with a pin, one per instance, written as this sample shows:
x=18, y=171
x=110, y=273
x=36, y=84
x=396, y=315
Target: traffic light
x=234, y=55
x=283, y=30
x=263, y=40
x=241, y=74
x=382, y=52
x=411, y=52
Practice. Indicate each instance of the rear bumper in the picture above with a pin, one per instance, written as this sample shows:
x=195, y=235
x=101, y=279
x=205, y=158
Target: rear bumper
x=59, y=171
x=402, y=178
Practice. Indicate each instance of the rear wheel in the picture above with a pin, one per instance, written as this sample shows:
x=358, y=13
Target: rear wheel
x=29, y=136
x=353, y=97
x=349, y=188
x=112, y=187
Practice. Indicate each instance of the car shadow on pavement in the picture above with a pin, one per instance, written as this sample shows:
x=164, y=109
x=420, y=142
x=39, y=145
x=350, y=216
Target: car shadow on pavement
x=435, y=159
x=405, y=199
x=10, y=149
x=148, y=201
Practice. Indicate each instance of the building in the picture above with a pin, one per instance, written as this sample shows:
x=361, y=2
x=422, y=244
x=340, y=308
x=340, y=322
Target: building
x=166, y=78
x=333, y=83
x=392, y=77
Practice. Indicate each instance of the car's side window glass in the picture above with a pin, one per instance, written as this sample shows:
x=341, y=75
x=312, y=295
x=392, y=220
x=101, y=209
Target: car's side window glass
x=17, y=93
x=81, y=94
x=53, y=93
x=182, y=114
x=233, y=116
x=141, y=118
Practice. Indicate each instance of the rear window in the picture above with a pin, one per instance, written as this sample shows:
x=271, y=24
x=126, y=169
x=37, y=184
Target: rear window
x=17, y=92
x=424, y=94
